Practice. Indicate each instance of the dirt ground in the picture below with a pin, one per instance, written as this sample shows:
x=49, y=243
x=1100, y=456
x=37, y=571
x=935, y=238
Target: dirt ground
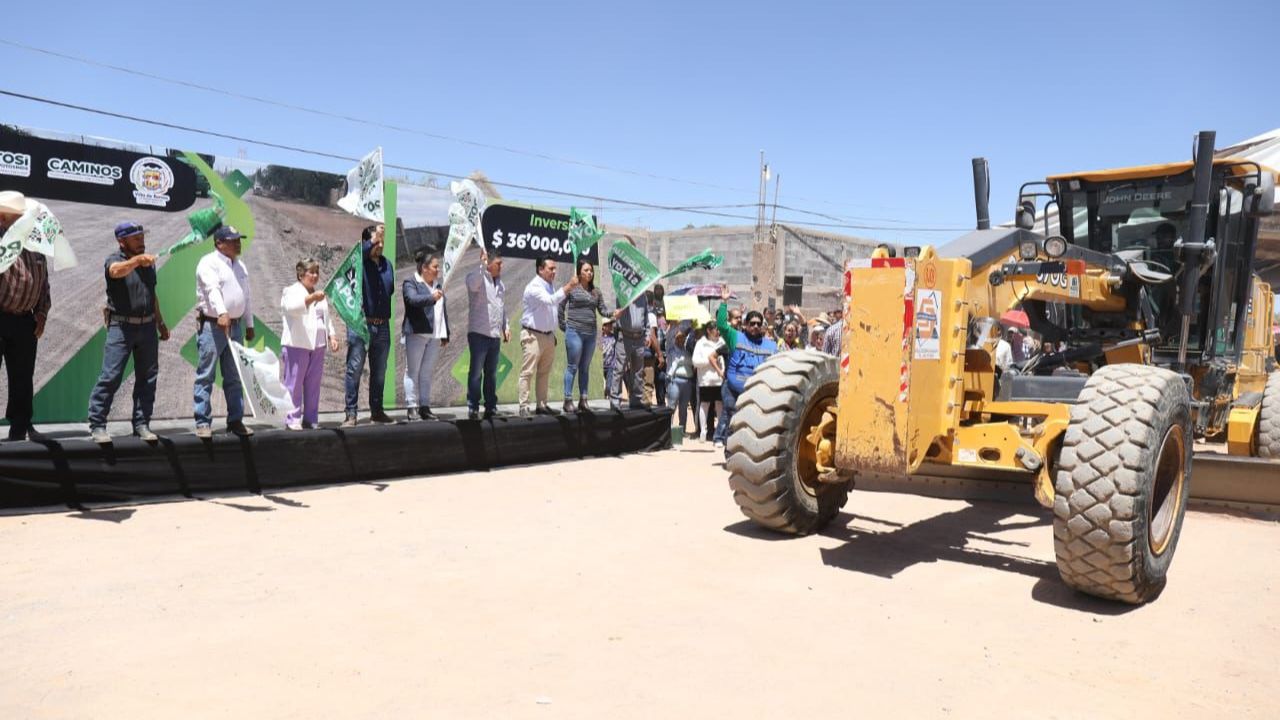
x=611, y=588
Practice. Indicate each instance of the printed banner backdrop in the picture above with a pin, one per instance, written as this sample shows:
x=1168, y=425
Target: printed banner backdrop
x=59, y=170
x=287, y=214
x=525, y=231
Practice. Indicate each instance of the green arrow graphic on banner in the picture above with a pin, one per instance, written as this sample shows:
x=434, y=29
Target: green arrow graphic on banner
x=66, y=396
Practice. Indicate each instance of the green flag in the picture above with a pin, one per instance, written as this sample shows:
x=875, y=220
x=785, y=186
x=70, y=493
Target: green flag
x=632, y=272
x=203, y=223
x=345, y=292
x=704, y=260
x=583, y=233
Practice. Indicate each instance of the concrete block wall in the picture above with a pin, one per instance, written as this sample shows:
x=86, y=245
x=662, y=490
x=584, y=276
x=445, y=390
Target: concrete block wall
x=818, y=257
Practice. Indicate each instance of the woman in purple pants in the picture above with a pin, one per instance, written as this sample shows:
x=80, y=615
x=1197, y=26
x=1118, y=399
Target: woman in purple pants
x=308, y=327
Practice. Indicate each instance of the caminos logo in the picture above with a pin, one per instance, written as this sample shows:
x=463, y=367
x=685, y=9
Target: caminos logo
x=15, y=164
x=152, y=179
x=84, y=171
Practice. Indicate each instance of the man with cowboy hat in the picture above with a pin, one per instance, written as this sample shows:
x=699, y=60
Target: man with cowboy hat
x=134, y=328
x=24, y=308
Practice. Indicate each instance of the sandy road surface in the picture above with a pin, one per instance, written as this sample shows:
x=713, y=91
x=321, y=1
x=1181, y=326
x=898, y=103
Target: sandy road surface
x=611, y=588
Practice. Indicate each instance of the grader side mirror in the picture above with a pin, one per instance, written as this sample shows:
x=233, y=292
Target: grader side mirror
x=1260, y=199
x=1026, y=216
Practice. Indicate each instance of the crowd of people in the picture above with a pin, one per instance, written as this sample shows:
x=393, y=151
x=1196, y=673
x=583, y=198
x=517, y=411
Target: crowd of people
x=697, y=369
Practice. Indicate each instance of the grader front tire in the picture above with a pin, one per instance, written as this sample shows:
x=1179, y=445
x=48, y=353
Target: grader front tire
x=1122, y=482
x=774, y=482
x=1269, y=418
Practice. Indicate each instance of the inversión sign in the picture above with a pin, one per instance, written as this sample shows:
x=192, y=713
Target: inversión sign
x=525, y=231
x=59, y=170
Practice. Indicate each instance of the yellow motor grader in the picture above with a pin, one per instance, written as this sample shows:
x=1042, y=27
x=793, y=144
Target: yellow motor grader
x=1153, y=332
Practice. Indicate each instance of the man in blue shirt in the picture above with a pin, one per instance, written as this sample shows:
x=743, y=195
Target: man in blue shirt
x=379, y=284
x=748, y=348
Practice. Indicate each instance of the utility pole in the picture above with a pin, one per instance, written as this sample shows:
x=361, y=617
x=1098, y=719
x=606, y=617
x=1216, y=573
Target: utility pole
x=763, y=253
x=779, y=245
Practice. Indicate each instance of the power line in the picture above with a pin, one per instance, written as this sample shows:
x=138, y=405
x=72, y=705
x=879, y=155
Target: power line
x=353, y=119
x=428, y=171
x=414, y=131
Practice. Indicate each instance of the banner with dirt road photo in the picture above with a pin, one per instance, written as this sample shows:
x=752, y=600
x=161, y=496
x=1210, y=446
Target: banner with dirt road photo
x=90, y=185
x=287, y=214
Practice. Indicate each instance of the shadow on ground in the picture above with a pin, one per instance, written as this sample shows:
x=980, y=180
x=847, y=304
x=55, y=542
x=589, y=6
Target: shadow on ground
x=969, y=535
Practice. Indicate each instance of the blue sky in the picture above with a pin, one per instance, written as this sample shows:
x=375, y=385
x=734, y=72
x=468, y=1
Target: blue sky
x=869, y=112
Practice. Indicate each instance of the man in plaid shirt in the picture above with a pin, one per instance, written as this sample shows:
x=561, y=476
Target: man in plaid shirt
x=24, y=307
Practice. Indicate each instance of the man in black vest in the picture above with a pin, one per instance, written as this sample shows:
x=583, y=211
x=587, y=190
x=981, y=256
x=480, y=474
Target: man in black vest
x=134, y=328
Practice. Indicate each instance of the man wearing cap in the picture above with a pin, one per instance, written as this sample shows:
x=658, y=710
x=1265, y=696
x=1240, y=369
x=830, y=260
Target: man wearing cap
x=134, y=328
x=24, y=307
x=223, y=313
x=379, y=284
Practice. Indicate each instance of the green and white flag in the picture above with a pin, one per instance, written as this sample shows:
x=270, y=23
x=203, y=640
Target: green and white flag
x=364, y=188
x=37, y=230
x=464, y=224
x=264, y=395
x=345, y=292
x=583, y=233
x=203, y=223
x=632, y=272
x=704, y=260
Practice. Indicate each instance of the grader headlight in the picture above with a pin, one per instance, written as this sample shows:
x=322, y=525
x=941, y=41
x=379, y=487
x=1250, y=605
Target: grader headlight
x=1055, y=246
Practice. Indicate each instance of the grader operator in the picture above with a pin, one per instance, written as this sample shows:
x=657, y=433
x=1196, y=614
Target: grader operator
x=1140, y=287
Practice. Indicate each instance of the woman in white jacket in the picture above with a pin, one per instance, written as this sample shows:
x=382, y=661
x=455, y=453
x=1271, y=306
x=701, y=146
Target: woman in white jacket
x=308, y=327
x=706, y=361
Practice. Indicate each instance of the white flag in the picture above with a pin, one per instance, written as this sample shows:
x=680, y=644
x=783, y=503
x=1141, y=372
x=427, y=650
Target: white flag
x=38, y=231
x=464, y=223
x=265, y=397
x=364, y=188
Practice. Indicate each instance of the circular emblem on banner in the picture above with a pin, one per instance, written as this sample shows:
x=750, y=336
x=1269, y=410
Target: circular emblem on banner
x=152, y=179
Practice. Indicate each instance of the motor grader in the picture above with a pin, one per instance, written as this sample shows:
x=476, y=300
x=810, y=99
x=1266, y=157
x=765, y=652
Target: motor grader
x=1139, y=285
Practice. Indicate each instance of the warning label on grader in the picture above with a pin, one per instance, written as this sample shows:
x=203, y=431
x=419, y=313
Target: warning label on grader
x=928, y=305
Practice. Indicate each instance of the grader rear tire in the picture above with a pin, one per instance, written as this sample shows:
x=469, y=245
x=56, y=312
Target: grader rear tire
x=1269, y=418
x=1122, y=481
x=774, y=480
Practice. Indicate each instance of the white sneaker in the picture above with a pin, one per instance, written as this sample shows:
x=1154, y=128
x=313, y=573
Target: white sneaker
x=718, y=444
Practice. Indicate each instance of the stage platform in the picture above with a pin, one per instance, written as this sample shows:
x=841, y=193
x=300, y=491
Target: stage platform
x=64, y=468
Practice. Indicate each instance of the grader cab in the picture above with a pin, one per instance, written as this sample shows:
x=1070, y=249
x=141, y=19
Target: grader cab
x=1139, y=286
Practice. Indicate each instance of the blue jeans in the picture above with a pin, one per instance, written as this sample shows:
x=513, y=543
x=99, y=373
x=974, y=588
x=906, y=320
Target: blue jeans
x=124, y=340
x=680, y=396
x=215, y=352
x=484, y=359
x=578, y=349
x=378, y=349
x=728, y=405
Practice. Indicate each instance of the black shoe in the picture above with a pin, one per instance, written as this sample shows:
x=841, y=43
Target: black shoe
x=379, y=416
x=473, y=414
x=424, y=413
x=583, y=407
x=307, y=426
x=568, y=406
x=490, y=414
x=240, y=429
x=17, y=433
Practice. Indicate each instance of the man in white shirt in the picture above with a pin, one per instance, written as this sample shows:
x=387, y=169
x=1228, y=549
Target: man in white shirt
x=223, y=314
x=486, y=329
x=1004, y=353
x=537, y=334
